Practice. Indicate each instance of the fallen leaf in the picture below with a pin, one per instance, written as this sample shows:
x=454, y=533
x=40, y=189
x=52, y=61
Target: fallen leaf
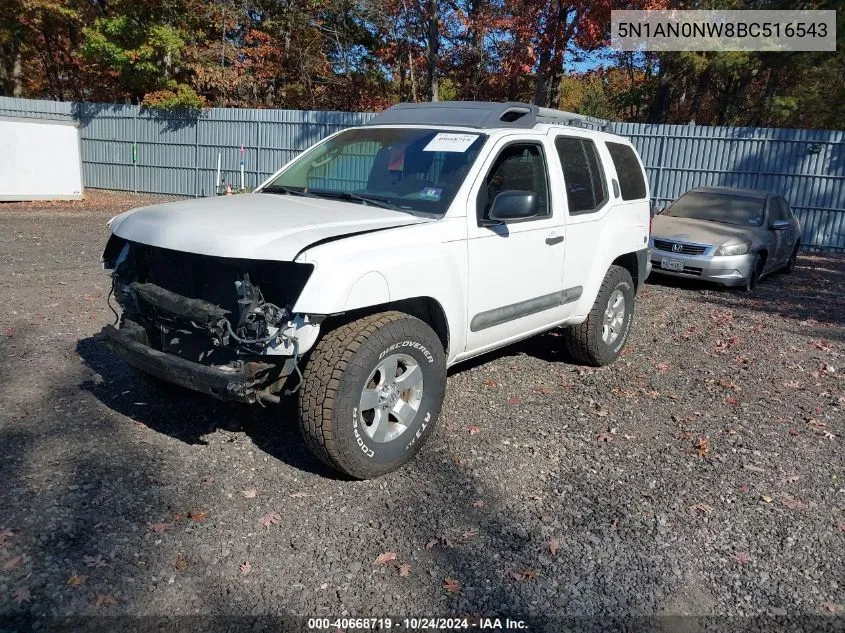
x=76, y=580
x=743, y=488
x=457, y=460
x=742, y=558
x=181, y=563
x=12, y=562
x=604, y=436
x=793, y=432
x=404, y=570
x=702, y=508
x=94, y=561
x=702, y=447
x=514, y=400
x=198, y=515
x=478, y=504
x=298, y=495
x=831, y=606
x=661, y=368
x=451, y=585
x=732, y=401
x=249, y=493
x=244, y=569
x=766, y=498
x=841, y=526
x=158, y=528
x=271, y=518
x=21, y=594
x=489, y=383
x=791, y=502
x=525, y=574
x=383, y=559
x=431, y=543
x=104, y=601
x=474, y=429
x=470, y=533
x=554, y=546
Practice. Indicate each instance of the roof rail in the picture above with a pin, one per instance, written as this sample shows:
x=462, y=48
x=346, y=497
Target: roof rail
x=482, y=115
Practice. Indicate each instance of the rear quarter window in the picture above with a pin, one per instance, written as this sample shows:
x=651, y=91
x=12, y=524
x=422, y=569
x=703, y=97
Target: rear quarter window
x=631, y=178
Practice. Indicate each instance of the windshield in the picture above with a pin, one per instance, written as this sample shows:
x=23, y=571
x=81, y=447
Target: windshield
x=718, y=207
x=407, y=169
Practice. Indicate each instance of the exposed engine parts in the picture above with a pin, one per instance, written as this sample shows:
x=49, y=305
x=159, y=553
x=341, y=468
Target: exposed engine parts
x=217, y=312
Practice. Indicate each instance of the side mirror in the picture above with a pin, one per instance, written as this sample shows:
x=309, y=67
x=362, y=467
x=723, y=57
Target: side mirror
x=655, y=210
x=514, y=205
x=780, y=225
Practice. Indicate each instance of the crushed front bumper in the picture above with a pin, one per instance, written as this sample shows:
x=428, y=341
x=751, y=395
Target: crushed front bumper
x=243, y=382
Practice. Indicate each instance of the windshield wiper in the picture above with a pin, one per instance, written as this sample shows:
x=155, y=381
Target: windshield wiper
x=288, y=190
x=348, y=195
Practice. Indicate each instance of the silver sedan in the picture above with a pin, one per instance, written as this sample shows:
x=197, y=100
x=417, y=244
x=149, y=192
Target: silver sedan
x=724, y=235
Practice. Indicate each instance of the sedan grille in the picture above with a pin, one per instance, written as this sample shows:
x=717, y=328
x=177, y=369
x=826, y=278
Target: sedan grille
x=678, y=247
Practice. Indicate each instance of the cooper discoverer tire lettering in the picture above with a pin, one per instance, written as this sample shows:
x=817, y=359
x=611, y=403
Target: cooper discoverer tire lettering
x=372, y=392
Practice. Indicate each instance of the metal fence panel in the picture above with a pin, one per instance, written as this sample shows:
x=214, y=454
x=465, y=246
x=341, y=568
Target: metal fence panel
x=127, y=148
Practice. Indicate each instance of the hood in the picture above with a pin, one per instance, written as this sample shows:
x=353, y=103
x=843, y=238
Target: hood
x=700, y=231
x=252, y=226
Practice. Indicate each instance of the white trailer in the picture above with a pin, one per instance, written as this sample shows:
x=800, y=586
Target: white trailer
x=40, y=159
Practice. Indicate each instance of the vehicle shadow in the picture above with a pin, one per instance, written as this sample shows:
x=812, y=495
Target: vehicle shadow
x=548, y=347
x=188, y=416
x=811, y=295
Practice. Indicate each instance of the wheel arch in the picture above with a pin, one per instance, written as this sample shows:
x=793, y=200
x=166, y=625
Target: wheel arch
x=426, y=309
x=631, y=263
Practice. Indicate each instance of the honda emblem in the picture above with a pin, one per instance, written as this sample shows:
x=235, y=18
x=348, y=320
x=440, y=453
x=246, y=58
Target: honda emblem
x=677, y=248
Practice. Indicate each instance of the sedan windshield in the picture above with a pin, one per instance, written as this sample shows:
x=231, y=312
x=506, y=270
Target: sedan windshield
x=406, y=169
x=718, y=207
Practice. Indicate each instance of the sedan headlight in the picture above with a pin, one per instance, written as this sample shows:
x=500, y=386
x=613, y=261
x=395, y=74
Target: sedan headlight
x=735, y=248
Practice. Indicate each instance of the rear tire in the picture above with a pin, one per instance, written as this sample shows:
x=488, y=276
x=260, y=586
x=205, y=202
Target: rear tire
x=372, y=392
x=599, y=340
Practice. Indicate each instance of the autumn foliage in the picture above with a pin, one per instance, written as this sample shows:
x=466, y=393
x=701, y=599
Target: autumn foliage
x=364, y=55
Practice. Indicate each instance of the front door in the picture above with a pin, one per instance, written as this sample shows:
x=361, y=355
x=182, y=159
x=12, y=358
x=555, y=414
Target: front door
x=516, y=268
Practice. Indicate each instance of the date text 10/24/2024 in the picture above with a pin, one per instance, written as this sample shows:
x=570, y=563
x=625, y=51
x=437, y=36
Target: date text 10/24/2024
x=334, y=625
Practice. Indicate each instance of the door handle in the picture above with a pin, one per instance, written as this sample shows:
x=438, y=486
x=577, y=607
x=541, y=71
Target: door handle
x=554, y=238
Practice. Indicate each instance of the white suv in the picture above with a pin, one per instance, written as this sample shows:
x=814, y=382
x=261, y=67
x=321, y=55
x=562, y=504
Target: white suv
x=364, y=268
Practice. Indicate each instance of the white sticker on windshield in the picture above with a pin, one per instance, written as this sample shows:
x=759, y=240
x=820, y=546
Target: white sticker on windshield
x=450, y=143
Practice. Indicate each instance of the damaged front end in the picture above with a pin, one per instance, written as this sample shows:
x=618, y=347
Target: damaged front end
x=216, y=325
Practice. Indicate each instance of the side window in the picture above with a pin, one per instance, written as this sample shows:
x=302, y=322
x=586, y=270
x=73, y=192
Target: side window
x=586, y=189
x=777, y=210
x=631, y=179
x=521, y=167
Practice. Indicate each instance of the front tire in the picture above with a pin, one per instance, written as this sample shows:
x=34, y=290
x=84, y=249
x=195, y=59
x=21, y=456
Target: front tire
x=793, y=258
x=372, y=392
x=599, y=340
x=754, y=276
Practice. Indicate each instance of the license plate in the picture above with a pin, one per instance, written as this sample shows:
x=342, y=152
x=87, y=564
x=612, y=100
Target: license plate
x=672, y=264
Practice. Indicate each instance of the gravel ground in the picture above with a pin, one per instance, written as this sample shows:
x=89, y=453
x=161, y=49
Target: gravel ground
x=701, y=474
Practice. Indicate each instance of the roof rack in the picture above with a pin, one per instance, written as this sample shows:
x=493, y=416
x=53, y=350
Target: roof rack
x=482, y=115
